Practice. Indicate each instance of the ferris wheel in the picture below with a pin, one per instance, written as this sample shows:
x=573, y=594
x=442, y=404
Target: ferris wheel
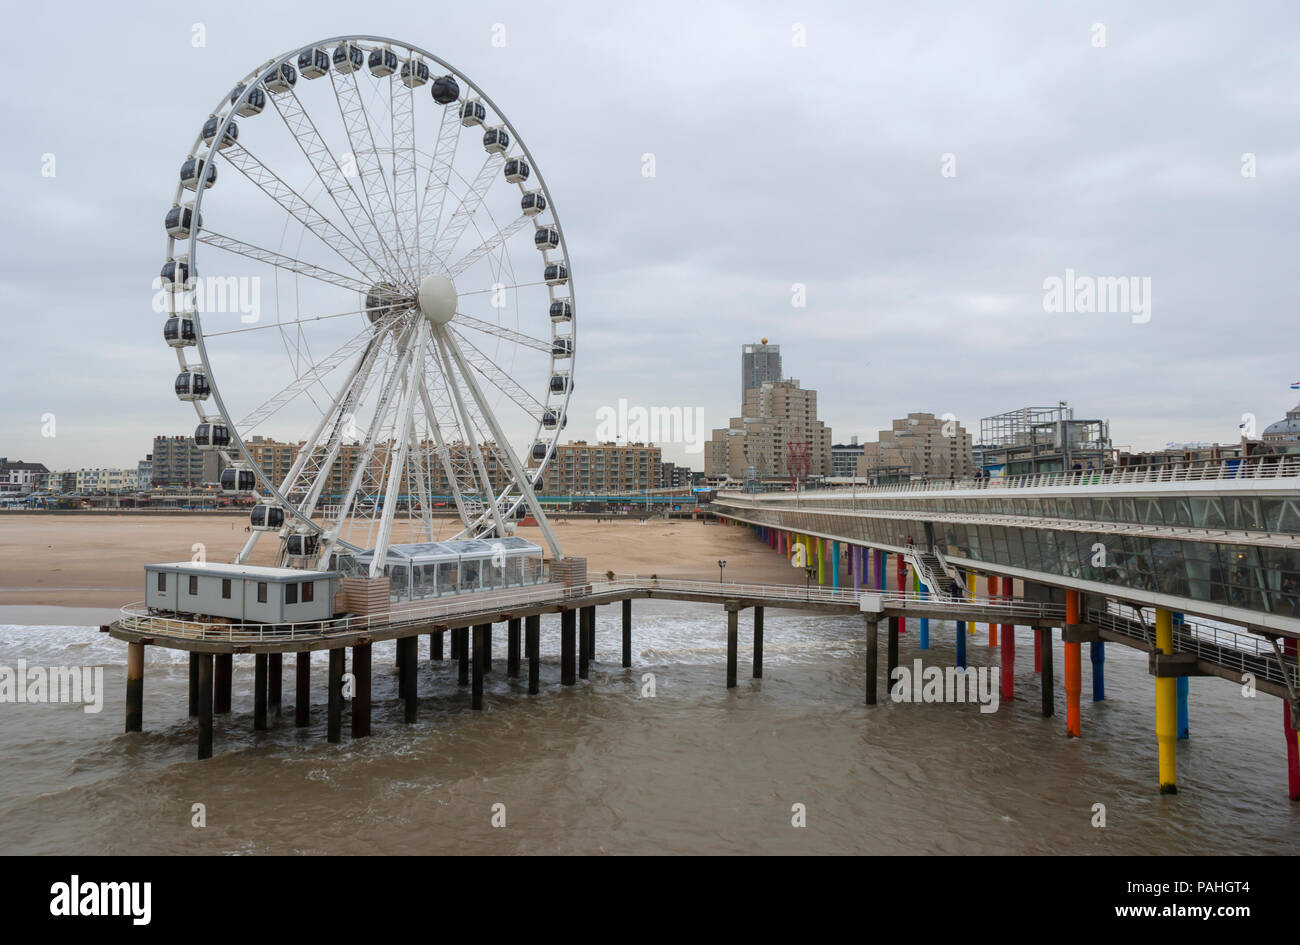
x=370, y=299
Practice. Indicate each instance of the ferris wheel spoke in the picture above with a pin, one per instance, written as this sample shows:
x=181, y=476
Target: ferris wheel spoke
x=451, y=349
x=314, y=374
x=406, y=221
x=301, y=210
x=365, y=151
x=280, y=261
x=300, y=320
x=443, y=453
x=439, y=180
x=528, y=341
x=499, y=287
x=492, y=243
x=467, y=427
x=499, y=379
x=334, y=180
x=464, y=212
x=398, y=448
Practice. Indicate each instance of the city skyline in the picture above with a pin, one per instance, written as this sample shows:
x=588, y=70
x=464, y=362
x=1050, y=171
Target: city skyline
x=965, y=203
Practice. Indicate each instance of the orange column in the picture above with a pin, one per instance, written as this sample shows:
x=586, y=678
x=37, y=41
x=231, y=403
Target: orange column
x=1073, y=670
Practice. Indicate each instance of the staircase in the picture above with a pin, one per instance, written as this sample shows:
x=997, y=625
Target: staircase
x=937, y=575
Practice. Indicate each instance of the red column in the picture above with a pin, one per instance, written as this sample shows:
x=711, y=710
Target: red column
x=1008, y=639
x=1073, y=670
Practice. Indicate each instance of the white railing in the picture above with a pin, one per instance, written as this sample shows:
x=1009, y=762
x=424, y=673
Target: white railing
x=1287, y=467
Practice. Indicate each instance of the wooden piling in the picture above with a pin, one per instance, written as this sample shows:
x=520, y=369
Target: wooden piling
x=512, y=647
x=194, y=684
x=361, y=660
x=627, y=632
x=568, y=631
x=435, y=646
x=302, y=689
x=480, y=659
x=409, y=647
x=275, y=683
x=584, y=643
x=891, y=651
x=135, y=687
x=203, y=687
x=223, y=671
x=532, y=647
x=733, y=634
x=873, y=657
x=1046, y=678
x=334, y=717
x=758, y=642
x=259, y=692
x=460, y=643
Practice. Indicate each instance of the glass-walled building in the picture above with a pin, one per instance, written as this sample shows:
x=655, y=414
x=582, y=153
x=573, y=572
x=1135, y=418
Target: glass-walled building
x=428, y=570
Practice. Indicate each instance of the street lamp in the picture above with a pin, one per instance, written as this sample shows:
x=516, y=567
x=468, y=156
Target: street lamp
x=721, y=564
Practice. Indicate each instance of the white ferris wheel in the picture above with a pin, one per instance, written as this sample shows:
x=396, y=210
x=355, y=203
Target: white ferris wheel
x=369, y=297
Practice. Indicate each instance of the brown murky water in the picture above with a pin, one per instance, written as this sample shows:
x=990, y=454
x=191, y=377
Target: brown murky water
x=600, y=768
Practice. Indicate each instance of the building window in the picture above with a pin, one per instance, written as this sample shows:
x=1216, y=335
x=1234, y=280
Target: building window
x=225, y=588
x=162, y=581
x=291, y=593
x=261, y=592
x=308, y=591
x=194, y=584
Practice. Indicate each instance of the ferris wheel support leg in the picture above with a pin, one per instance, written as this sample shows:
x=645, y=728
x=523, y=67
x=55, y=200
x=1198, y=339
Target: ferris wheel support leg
x=443, y=455
x=247, y=550
x=444, y=344
x=398, y=465
x=512, y=461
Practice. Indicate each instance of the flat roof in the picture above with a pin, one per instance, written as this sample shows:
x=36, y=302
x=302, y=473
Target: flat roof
x=511, y=545
x=220, y=569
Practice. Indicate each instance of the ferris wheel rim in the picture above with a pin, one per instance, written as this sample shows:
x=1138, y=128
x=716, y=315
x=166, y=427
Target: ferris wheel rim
x=508, y=500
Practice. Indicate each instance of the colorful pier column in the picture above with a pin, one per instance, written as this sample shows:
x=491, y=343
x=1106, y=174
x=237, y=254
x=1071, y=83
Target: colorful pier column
x=821, y=561
x=1097, y=652
x=992, y=584
x=961, y=642
x=1289, y=726
x=1008, y=640
x=881, y=557
x=925, y=621
x=1184, y=727
x=835, y=564
x=900, y=574
x=972, y=580
x=855, y=565
x=1073, y=670
x=1166, y=708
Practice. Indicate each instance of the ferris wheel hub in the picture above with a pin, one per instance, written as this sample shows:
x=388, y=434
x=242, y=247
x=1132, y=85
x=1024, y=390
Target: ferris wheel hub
x=437, y=298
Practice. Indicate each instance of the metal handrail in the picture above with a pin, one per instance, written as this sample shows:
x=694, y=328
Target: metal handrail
x=1287, y=467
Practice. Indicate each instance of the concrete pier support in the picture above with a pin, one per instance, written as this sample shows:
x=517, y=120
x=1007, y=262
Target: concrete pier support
x=135, y=687
x=1184, y=723
x=900, y=575
x=460, y=643
x=733, y=637
x=481, y=632
x=1046, y=677
x=223, y=670
x=1038, y=654
x=455, y=644
x=302, y=689
x=259, y=692
x=1073, y=669
x=568, y=646
x=204, y=706
x=334, y=686
x=361, y=659
x=1008, y=640
x=435, y=646
x=873, y=657
x=408, y=648
x=627, y=633
x=194, y=685
x=487, y=649
x=1097, y=655
x=1166, y=708
x=532, y=648
x=512, y=647
x=275, y=684
x=758, y=642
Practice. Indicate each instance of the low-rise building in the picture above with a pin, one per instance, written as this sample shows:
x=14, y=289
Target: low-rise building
x=20, y=478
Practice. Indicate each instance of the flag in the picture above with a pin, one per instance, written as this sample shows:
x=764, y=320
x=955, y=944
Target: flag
x=1295, y=385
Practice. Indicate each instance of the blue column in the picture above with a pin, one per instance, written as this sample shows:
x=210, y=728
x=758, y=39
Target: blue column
x=925, y=621
x=835, y=564
x=1097, y=649
x=1184, y=731
x=961, y=644
x=880, y=570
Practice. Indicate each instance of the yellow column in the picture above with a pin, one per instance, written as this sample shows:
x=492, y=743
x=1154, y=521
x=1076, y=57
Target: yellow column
x=821, y=560
x=1166, y=707
x=970, y=594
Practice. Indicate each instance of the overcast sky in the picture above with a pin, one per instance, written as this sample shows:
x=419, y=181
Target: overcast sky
x=775, y=163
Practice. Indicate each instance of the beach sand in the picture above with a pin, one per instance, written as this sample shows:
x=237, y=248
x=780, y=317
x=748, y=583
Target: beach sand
x=98, y=560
